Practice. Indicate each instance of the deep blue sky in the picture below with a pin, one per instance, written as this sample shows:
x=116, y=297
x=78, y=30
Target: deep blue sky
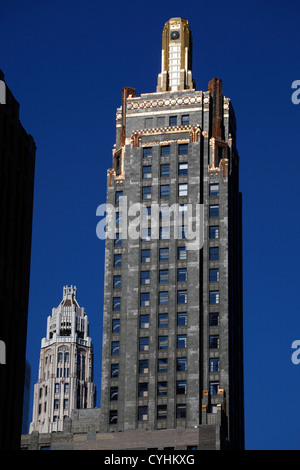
x=66, y=62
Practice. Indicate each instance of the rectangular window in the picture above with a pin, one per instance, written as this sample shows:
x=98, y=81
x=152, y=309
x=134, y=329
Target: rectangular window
x=182, y=169
x=182, y=274
x=182, y=255
x=162, y=389
x=164, y=233
x=146, y=192
x=165, y=150
x=145, y=277
x=118, y=239
x=162, y=342
x=144, y=321
x=213, y=364
x=214, y=210
x=163, y=298
x=182, y=297
x=116, y=325
x=142, y=413
x=147, y=152
x=164, y=254
x=117, y=282
x=181, y=318
x=163, y=320
x=113, y=395
x=181, y=341
x=214, y=341
x=145, y=299
x=162, y=365
x=214, y=319
x=118, y=218
x=165, y=170
x=143, y=366
x=164, y=190
x=56, y=388
x=181, y=364
x=147, y=172
x=181, y=411
x=115, y=347
x=163, y=275
x=183, y=149
x=161, y=411
x=146, y=213
x=214, y=232
x=214, y=297
x=114, y=371
x=214, y=189
x=181, y=387
x=118, y=197
x=113, y=417
x=173, y=121
x=143, y=389
x=116, y=303
x=182, y=189
x=146, y=234
x=214, y=253
x=117, y=260
x=56, y=404
x=185, y=120
x=144, y=344
x=145, y=256
x=164, y=211
x=214, y=275
x=213, y=388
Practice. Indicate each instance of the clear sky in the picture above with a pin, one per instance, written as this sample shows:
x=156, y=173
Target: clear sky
x=66, y=62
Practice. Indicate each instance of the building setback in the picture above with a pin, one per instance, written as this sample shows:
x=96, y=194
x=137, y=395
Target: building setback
x=172, y=361
x=17, y=165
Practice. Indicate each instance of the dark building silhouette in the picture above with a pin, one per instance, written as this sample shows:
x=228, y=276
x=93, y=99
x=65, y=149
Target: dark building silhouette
x=17, y=165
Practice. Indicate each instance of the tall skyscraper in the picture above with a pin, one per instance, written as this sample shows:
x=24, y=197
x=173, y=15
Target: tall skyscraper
x=173, y=327
x=65, y=378
x=17, y=166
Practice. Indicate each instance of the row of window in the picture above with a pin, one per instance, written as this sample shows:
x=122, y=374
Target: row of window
x=165, y=170
x=184, y=120
x=165, y=150
x=165, y=191
x=143, y=366
x=143, y=413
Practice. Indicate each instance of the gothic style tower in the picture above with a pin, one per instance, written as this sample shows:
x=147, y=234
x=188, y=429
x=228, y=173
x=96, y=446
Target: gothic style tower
x=65, y=378
x=172, y=334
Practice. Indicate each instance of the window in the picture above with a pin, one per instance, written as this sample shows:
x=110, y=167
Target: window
x=214, y=210
x=114, y=371
x=56, y=404
x=56, y=389
x=182, y=189
x=143, y=366
x=181, y=387
x=147, y=172
x=185, y=120
x=181, y=318
x=117, y=282
x=116, y=325
x=162, y=365
x=164, y=190
x=114, y=393
x=118, y=218
x=142, y=413
x=163, y=298
x=182, y=297
x=162, y=389
x=214, y=319
x=214, y=253
x=181, y=341
x=117, y=260
x=161, y=411
x=214, y=297
x=183, y=149
x=144, y=344
x=214, y=231
x=146, y=234
x=145, y=277
x=214, y=275
x=182, y=169
x=60, y=357
x=146, y=213
x=173, y=121
x=163, y=275
x=115, y=347
x=118, y=239
x=213, y=388
x=214, y=189
x=181, y=364
x=164, y=254
x=213, y=364
x=164, y=233
x=148, y=123
x=145, y=256
x=164, y=211
x=214, y=341
x=116, y=303
x=113, y=417
x=181, y=252
x=143, y=389
x=181, y=411
x=165, y=150
x=145, y=299
x=182, y=274
x=163, y=342
x=118, y=197
x=144, y=321
x=146, y=194
x=163, y=320
x=147, y=152
x=164, y=170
